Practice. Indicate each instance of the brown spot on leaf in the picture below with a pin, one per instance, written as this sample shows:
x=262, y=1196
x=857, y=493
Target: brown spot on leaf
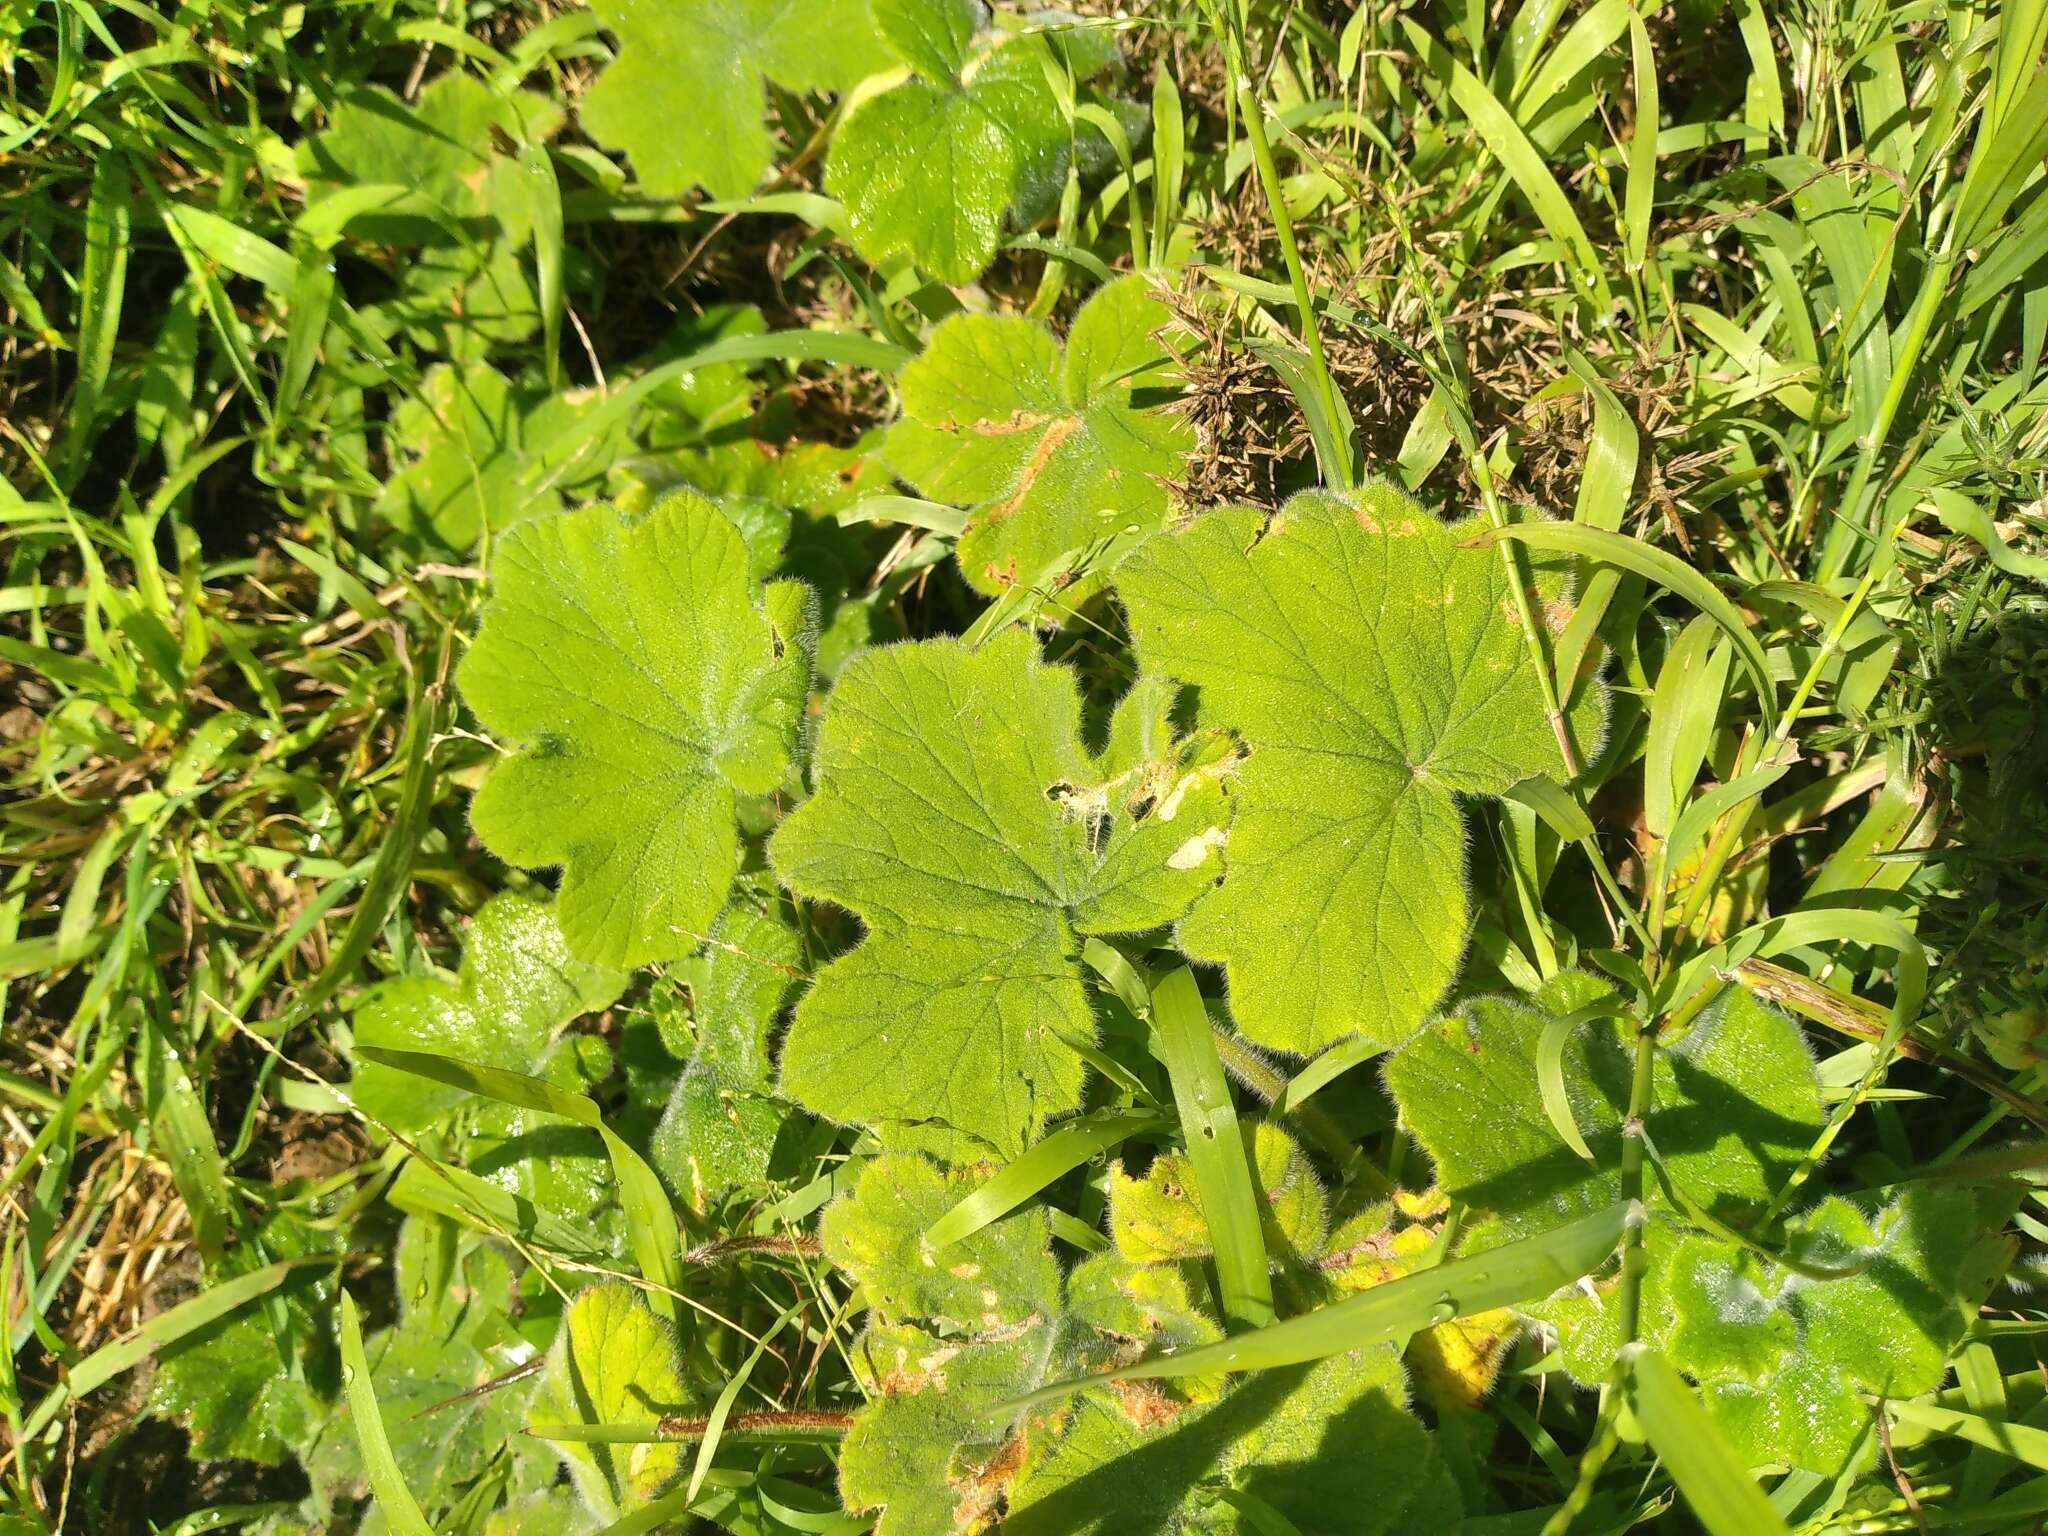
x=1060, y=430
x=1145, y=1405
x=985, y=1490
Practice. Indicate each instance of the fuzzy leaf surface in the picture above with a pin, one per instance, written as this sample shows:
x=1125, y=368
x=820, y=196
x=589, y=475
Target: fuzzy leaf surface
x=722, y=1120
x=1782, y=1357
x=1737, y=1105
x=517, y=986
x=960, y=816
x=634, y=669
x=1047, y=448
x=1374, y=670
x=615, y=1362
x=472, y=449
x=712, y=56
x=929, y=168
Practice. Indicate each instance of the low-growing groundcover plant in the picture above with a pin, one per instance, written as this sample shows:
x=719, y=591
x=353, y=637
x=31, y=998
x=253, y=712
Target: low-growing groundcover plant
x=1222, y=766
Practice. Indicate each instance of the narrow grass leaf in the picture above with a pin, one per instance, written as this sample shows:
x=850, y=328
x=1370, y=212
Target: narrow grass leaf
x=1223, y=1173
x=1059, y=1153
x=1550, y=1081
x=401, y=1513
x=651, y=1220
x=1717, y=1486
x=1669, y=572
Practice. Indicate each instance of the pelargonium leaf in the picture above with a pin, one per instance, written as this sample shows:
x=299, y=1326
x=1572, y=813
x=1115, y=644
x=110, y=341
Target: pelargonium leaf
x=1048, y=450
x=517, y=986
x=713, y=55
x=616, y=1363
x=929, y=168
x=1373, y=667
x=643, y=681
x=960, y=816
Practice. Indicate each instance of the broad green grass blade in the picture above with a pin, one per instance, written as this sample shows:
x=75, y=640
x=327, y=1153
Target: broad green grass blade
x=651, y=1220
x=102, y=284
x=1719, y=1488
x=1641, y=193
x=1557, y=1104
x=401, y=1513
x=1516, y=1272
x=2022, y=1442
x=1223, y=1172
x=1065, y=1149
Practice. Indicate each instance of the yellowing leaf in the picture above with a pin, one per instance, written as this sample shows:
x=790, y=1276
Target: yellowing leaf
x=1049, y=450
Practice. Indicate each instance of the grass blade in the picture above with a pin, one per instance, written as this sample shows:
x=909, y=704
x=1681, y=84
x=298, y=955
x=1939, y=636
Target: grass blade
x=1223, y=1173
x=1717, y=1486
x=1059, y=1153
x=108, y=215
x=657, y=1241
x=401, y=1514
x=1669, y=572
x=1501, y=1277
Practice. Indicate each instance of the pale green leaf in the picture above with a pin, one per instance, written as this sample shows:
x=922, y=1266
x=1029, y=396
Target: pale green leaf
x=959, y=815
x=633, y=672
x=615, y=1363
x=711, y=57
x=929, y=169
x=470, y=452
x=1782, y=1357
x=1374, y=670
x=1049, y=451
x=439, y=149
x=518, y=985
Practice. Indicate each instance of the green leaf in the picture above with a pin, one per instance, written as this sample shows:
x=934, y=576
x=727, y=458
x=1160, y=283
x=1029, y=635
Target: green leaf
x=1216, y=1156
x=1159, y=1218
x=453, y=1337
x=615, y=1363
x=226, y=1378
x=929, y=168
x=1048, y=450
x=472, y=454
x=636, y=674
x=712, y=55
x=1526, y=1270
x=440, y=151
x=1737, y=1105
x=518, y=985
x=1373, y=669
x=1782, y=1357
x=959, y=815
x=722, y=1120
x=991, y=1279
x=933, y=1454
